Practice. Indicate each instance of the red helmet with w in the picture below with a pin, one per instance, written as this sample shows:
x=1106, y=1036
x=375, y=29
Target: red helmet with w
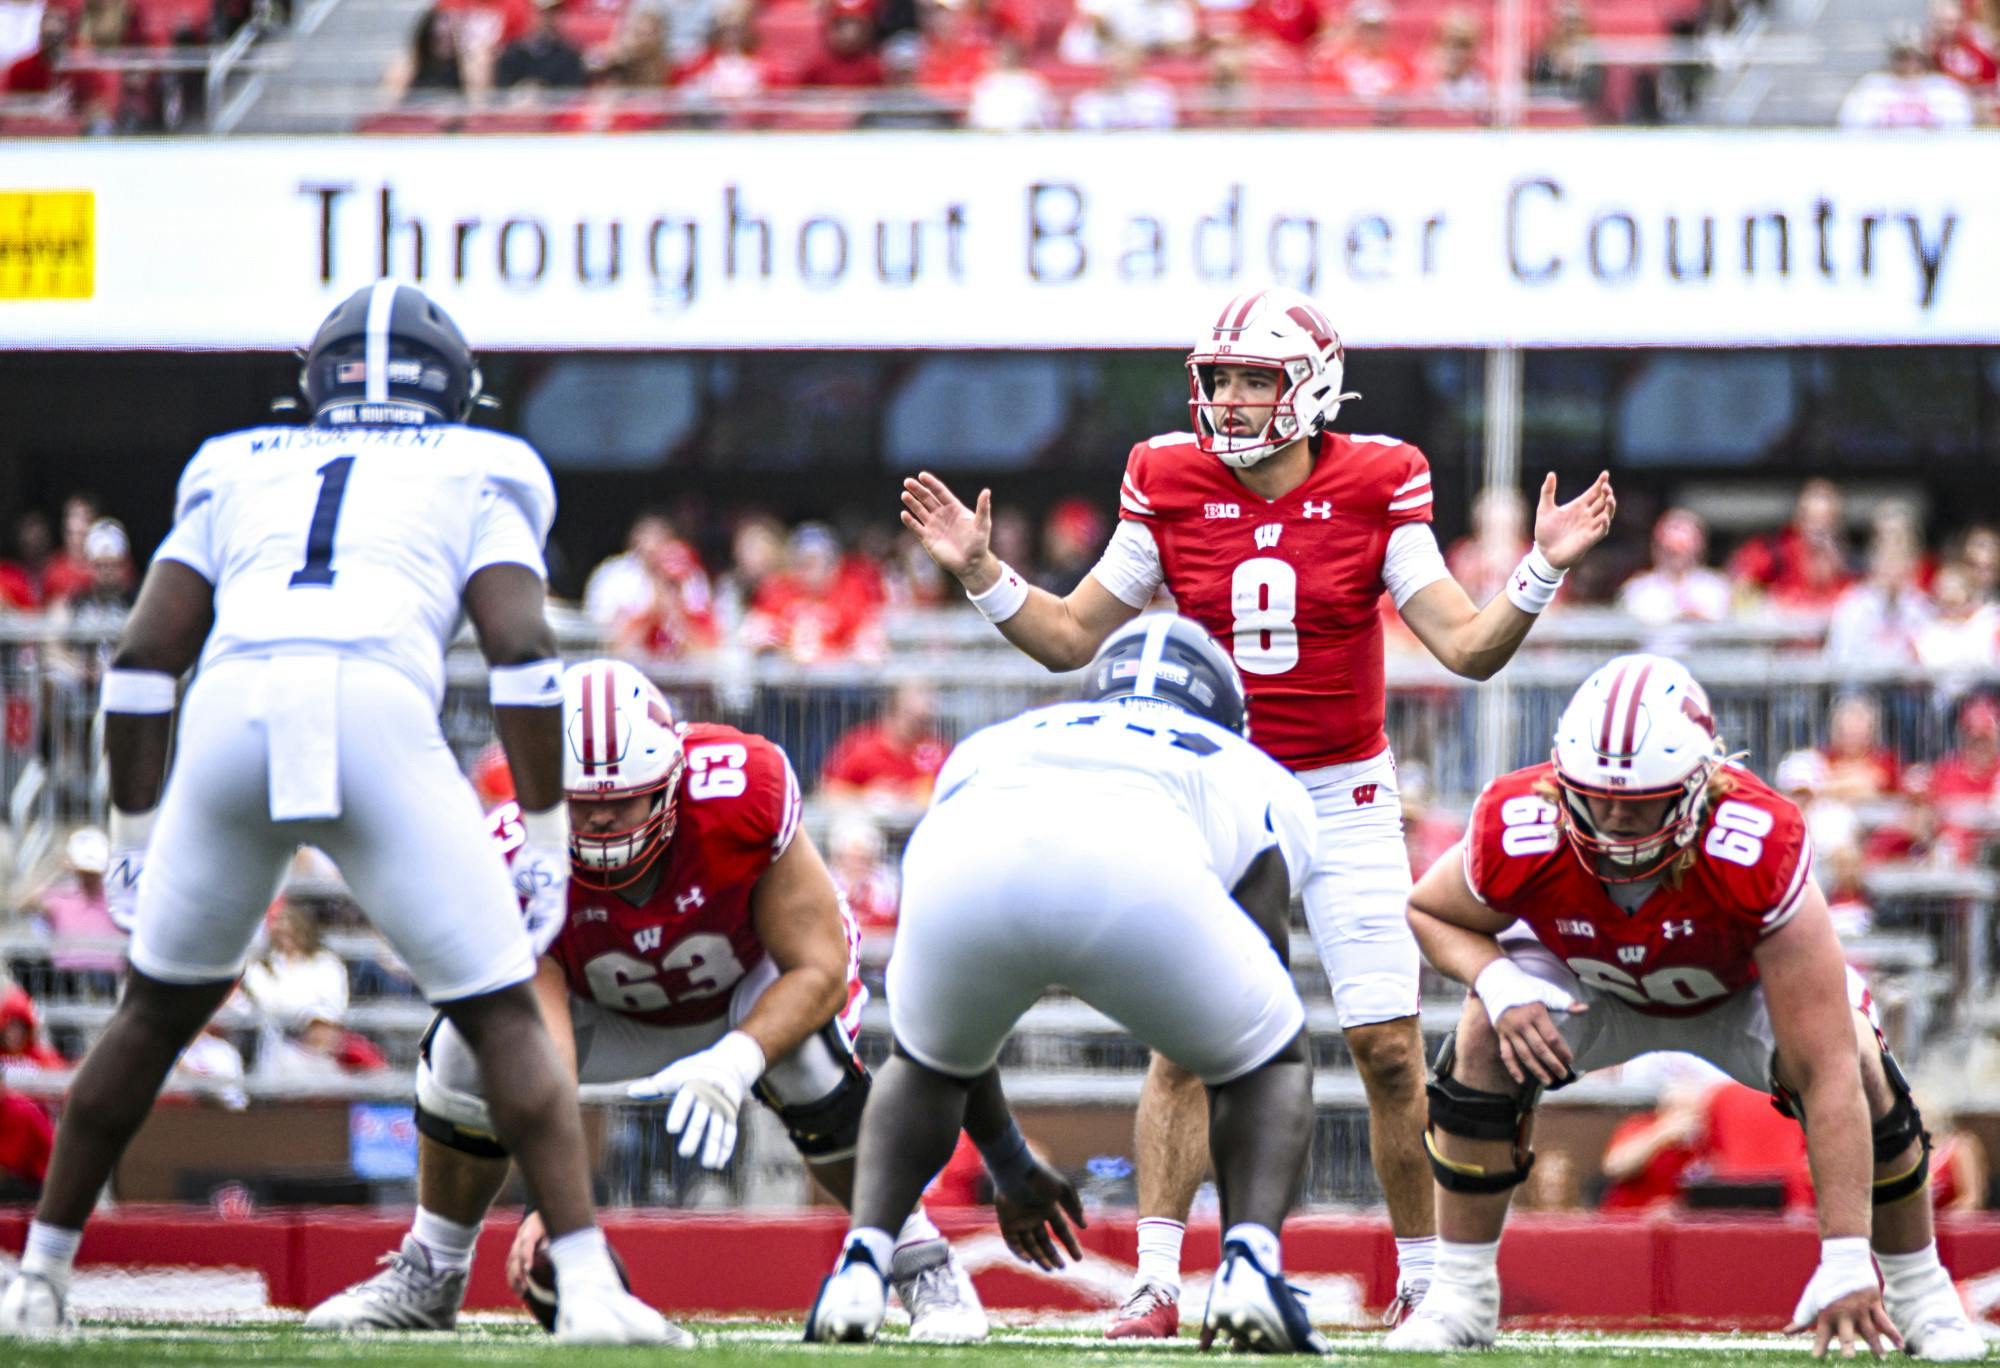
x=1275, y=329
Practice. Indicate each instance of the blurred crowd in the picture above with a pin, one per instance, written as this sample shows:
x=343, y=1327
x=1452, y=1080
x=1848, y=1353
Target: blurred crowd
x=1943, y=74
x=1011, y=65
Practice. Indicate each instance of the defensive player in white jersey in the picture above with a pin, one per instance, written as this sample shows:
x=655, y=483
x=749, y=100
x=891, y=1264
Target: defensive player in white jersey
x=319, y=572
x=1280, y=536
x=1137, y=851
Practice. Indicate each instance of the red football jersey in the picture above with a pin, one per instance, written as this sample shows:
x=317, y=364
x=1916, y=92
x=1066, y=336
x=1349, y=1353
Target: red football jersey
x=674, y=959
x=1289, y=585
x=1682, y=950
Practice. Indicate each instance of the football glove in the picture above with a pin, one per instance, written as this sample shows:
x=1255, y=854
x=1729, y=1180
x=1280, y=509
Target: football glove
x=708, y=1089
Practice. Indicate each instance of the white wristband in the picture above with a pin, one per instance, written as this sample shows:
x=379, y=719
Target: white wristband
x=149, y=692
x=1847, y=1254
x=1504, y=985
x=1532, y=587
x=538, y=684
x=130, y=830
x=547, y=830
x=1004, y=599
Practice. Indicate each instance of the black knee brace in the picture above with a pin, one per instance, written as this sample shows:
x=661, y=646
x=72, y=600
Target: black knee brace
x=828, y=1129
x=1473, y=1114
x=1901, y=1127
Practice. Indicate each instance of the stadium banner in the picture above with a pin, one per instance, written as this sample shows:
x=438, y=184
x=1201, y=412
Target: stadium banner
x=661, y=242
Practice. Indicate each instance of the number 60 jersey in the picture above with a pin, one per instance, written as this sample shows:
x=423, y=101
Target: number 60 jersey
x=355, y=541
x=1690, y=943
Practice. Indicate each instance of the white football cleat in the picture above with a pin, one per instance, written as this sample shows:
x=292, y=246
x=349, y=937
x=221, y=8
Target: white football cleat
x=408, y=1294
x=605, y=1313
x=1934, y=1325
x=1450, y=1317
x=935, y=1289
x=851, y=1302
x=1255, y=1310
x=32, y=1305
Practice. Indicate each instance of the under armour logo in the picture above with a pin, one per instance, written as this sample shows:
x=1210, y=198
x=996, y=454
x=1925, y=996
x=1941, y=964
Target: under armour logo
x=647, y=939
x=1684, y=927
x=1631, y=954
x=691, y=898
x=1521, y=583
x=1364, y=794
x=1323, y=509
x=1267, y=536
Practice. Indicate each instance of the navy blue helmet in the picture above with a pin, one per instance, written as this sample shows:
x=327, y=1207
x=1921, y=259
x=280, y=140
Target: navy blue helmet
x=1171, y=658
x=388, y=355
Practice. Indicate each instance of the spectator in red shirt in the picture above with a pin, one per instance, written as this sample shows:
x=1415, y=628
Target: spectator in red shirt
x=807, y=611
x=21, y=577
x=1359, y=61
x=897, y=756
x=68, y=571
x=1968, y=773
x=1072, y=540
x=35, y=74
x=1922, y=833
x=1293, y=24
x=856, y=857
x=1648, y=1155
x=1803, y=567
x=20, y=1033
x=956, y=51
x=1962, y=47
x=847, y=55
x=1859, y=768
x=678, y=616
x=27, y=1138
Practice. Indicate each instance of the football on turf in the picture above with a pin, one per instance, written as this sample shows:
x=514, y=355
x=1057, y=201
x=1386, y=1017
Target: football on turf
x=540, y=1295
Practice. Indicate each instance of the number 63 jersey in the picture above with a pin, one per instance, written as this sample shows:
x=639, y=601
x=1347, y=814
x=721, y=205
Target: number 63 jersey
x=673, y=959
x=355, y=541
x=1690, y=943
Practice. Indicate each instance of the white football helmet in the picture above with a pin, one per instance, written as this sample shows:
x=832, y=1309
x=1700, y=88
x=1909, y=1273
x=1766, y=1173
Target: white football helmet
x=1640, y=727
x=619, y=742
x=1283, y=331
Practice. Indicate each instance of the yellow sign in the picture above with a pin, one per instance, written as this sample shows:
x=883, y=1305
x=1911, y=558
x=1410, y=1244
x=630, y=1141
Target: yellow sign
x=48, y=244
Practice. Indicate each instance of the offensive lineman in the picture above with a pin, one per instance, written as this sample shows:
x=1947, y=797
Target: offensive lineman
x=1137, y=851
x=1641, y=892
x=1279, y=536
x=704, y=953
x=325, y=568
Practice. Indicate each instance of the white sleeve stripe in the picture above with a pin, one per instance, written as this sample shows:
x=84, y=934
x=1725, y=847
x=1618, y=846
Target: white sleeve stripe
x=1417, y=481
x=1795, y=895
x=788, y=825
x=1414, y=501
x=1136, y=510
x=1128, y=490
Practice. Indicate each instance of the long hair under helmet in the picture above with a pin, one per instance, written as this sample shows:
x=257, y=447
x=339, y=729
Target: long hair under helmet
x=1639, y=728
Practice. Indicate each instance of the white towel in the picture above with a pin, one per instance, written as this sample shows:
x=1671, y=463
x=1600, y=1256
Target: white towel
x=302, y=726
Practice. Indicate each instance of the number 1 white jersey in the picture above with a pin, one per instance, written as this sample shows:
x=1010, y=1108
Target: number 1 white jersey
x=356, y=541
x=1240, y=800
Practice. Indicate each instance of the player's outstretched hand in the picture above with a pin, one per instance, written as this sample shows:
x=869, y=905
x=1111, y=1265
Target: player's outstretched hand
x=1850, y=1321
x=1565, y=531
x=1033, y=1224
x=956, y=537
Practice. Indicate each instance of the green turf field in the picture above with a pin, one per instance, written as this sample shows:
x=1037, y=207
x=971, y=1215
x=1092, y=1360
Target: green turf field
x=728, y=1344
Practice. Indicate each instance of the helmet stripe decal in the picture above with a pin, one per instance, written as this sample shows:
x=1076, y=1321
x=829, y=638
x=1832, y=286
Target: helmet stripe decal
x=1222, y=319
x=375, y=352
x=1632, y=713
x=1144, y=684
x=1243, y=314
x=610, y=722
x=589, y=723
x=1610, y=715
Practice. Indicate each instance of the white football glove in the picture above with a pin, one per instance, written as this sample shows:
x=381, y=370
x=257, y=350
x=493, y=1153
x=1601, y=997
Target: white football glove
x=541, y=874
x=1845, y=1265
x=708, y=1089
x=1504, y=985
x=128, y=837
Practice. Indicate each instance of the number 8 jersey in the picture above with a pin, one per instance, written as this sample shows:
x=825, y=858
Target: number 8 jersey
x=1690, y=943
x=1292, y=586
x=355, y=541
